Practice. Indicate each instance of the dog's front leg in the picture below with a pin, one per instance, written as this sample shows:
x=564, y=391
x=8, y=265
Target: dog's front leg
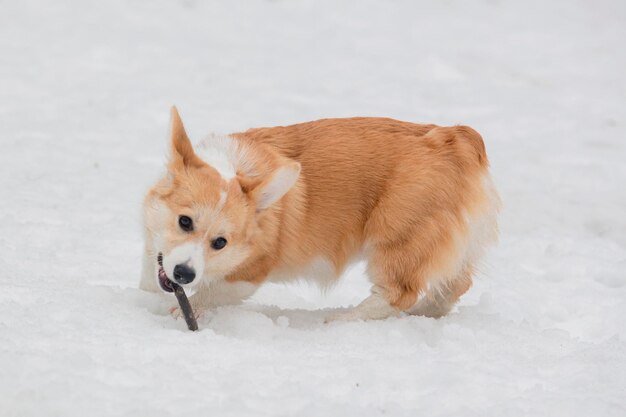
x=217, y=293
x=374, y=307
x=148, y=280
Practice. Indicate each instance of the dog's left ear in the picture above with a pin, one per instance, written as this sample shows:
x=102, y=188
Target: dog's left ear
x=182, y=153
x=274, y=186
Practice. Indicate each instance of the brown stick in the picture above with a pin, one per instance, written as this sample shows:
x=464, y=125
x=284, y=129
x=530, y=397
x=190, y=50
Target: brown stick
x=185, y=307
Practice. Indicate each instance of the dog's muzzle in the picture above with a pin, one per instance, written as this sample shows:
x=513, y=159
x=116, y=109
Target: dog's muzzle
x=183, y=274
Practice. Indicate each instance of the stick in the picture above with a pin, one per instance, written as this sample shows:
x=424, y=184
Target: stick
x=185, y=307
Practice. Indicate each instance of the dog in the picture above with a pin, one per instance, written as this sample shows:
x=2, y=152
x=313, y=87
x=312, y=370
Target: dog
x=303, y=201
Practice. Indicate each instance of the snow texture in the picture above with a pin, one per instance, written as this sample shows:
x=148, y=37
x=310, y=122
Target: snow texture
x=85, y=91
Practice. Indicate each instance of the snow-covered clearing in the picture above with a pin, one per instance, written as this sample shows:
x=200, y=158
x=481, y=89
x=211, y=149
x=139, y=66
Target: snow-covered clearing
x=85, y=89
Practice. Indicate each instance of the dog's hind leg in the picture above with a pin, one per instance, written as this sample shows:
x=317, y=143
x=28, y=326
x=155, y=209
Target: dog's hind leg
x=441, y=297
x=396, y=278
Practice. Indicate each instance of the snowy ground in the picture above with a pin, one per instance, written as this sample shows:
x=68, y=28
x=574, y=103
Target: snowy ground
x=85, y=89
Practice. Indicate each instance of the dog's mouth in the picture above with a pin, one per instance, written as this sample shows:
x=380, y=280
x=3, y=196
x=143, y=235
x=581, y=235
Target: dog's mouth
x=164, y=281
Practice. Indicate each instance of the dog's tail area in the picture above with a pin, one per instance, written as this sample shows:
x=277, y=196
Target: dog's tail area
x=474, y=142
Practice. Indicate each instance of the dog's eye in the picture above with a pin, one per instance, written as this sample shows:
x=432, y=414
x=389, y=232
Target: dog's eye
x=185, y=223
x=219, y=243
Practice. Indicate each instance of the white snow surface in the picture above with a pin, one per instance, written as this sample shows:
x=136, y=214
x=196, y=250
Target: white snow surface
x=85, y=91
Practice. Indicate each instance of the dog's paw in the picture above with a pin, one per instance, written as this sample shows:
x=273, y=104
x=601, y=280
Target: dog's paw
x=364, y=313
x=342, y=316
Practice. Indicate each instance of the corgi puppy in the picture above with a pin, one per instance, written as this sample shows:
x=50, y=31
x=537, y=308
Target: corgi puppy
x=303, y=201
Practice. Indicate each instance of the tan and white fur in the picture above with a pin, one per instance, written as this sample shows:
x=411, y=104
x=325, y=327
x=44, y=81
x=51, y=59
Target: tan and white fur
x=415, y=200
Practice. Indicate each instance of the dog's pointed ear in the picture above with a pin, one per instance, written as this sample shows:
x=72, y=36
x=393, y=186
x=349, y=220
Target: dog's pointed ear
x=275, y=186
x=181, y=150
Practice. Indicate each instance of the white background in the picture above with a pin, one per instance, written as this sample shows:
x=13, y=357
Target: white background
x=85, y=90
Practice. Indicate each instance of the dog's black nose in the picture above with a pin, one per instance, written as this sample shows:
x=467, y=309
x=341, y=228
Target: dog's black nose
x=184, y=274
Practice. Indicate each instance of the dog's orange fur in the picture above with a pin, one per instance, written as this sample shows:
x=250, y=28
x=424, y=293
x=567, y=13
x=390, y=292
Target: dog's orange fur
x=402, y=194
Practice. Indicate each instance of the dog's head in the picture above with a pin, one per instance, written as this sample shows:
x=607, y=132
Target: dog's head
x=204, y=218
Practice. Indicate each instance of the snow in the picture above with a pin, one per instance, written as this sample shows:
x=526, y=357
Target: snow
x=85, y=91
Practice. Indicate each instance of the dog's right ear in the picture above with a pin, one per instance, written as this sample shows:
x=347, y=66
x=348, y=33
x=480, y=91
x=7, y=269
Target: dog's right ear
x=182, y=154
